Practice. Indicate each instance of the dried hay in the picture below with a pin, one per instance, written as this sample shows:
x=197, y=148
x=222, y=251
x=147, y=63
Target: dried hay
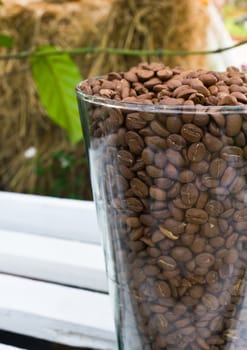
x=145, y=24
x=24, y=123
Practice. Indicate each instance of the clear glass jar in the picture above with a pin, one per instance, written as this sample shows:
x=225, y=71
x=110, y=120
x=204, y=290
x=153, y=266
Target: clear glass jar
x=170, y=189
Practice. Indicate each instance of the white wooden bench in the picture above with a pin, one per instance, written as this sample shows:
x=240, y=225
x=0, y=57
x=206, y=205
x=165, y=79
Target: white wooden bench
x=52, y=275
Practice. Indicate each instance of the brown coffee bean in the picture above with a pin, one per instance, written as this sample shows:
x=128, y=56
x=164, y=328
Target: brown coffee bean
x=217, y=167
x=202, y=200
x=205, y=260
x=133, y=222
x=186, y=176
x=196, y=216
x=209, y=181
x=191, y=133
x=212, y=277
x=159, y=129
x=176, y=142
x=233, y=155
x=171, y=172
x=233, y=124
x=134, y=121
x=237, y=185
x=173, y=124
x=232, y=256
x=139, y=188
x=228, y=176
x=125, y=158
x=166, y=263
x=198, y=245
x=135, y=142
x=210, y=301
x=213, y=144
x=164, y=74
x=214, y=208
x=175, y=158
x=199, y=167
x=155, y=142
x=163, y=289
x=164, y=183
x=189, y=194
x=217, y=242
x=153, y=171
x=144, y=74
x=181, y=254
x=196, y=152
x=157, y=193
x=134, y=204
x=240, y=215
x=196, y=292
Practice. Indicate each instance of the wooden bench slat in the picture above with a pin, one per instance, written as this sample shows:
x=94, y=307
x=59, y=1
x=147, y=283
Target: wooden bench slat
x=56, y=313
x=51, y=259
x=54, y=217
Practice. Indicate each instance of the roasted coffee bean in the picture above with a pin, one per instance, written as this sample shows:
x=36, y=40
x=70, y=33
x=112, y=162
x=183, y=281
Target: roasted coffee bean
x=205, y=260
x=139, y=188
x=214, y=208
x=176, y=142
x=181, y=254
x=196, y=152
x=196, y=216
x=189, y=194
x=217, y=167
x=166, y=263
x=233, y=124
x=212, y=143
x=135, y=142
x=191, y=133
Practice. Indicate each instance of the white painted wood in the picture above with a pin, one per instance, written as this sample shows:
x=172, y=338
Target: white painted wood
x=56, y=313
x=52, y=259
x=56, y=217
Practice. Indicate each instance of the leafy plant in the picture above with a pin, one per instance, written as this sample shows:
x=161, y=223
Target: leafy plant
x=5, y=40
x=56, y=77
x=70, y=178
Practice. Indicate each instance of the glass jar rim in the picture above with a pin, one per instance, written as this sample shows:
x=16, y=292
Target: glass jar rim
x=158, y=108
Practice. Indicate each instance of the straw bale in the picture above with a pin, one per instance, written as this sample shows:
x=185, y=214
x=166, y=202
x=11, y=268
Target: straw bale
x=24, y=123
x=145, y=24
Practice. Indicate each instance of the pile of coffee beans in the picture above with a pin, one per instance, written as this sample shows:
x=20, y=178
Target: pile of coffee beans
x=172, y=185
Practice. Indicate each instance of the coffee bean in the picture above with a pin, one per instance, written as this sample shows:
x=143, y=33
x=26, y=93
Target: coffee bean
x=157, y=193
x=166, y=263
x=205, y=260
x=189, y=194
x=233, y=155
x=198, y=245
x=217, y=167
x=210, y=301
x=139, y=188
x=191, y=133
x=212, y=143
x=214, y=208
x=181, y=254
x=196, y=216
x=233, y=124
x=135, y=142
x=176, y=142
x=196, y=152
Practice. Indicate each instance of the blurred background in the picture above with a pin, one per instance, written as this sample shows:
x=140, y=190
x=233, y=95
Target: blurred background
x=38, y=153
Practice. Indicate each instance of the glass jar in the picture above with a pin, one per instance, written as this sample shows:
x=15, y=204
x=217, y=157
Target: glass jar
x=169, y=183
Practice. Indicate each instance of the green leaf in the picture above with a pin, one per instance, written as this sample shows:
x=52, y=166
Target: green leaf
x=5, y=40
x=56, y=77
